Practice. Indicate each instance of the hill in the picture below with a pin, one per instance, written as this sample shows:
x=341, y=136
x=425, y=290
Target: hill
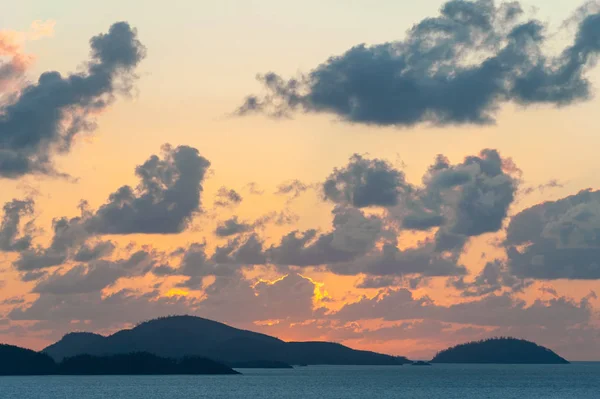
x=20, y=361
x=15, y=361
x=180, y=336
x=139, y=364
x=499, y=351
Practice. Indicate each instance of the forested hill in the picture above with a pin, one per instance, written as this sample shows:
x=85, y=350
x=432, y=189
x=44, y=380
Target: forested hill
x=179, y=336
x=499, y=351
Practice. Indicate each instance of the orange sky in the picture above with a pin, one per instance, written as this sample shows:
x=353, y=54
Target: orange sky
x=200, y=65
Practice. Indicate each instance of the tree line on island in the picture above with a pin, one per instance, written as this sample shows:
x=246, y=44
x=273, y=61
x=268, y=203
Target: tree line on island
x=193, y=345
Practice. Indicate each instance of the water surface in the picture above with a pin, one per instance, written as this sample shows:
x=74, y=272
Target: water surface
x=577, y=380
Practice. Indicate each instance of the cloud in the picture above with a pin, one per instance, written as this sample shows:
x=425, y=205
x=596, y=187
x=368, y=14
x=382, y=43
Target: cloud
x=68, y=234
x=16, y=62
x=370, y=282
x=557, y=240
x=63, y=313
x=231, y=299
x=364, y=183
x=232, y=227
x=294, y=189
x=464, y=200
x=354, y=234
x=494, y=277
x=493, y=310
x=236, y=300
x=164, y=202
x=99, y=250
x=457, y=68
x=14, y=211
x=228, y=197
x=46, y=117
x=95, y=276
x=391, y=261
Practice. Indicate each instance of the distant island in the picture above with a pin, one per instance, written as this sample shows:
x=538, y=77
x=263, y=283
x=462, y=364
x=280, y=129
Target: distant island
x=421, y=363
x=499, y=351
x=15, y=361
x=261, y=364
x=179, y=336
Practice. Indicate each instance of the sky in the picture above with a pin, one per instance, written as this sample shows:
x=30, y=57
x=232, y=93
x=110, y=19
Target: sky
x=394, y=177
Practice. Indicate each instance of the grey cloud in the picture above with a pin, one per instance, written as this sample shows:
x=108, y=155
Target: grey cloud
x=456, y=68
x=46, y=117
x=228, y=197
x=95, y=276
x=14, y=211
x=294, y=188
x=164, y=202
x=494, y=310
x=551, y=184
x=235, y=299
x=232, y=227
x=67, y=235
x=56, y=312
x=248, y=251
x=89, y=253
x=464, y=200
x=557, y=240
x=364, y=182
x=370, y=282
x=354, y=234
x=391, y=261
x=494, y=277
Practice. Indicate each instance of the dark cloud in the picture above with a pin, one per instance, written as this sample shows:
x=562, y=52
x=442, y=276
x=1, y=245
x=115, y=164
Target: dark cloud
x=228, y=197
x=364, y=182
x=63, y=313
x=235, y=299
x=99, y=250
x=391, y=261
x=294, y=188
x=456, y=68
x=493, y=310
x=354, y=234
x=557, y=240
x=232, y=227
x=164, y=202
x=379, y=282
x=45, y=117
x=68, y=234
x=95, y=276
x=494, y=277
x=10, y=238
x=551, y=184
x=247, y=251
x=464, y=200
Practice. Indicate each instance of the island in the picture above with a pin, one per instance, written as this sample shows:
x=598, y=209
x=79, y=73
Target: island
x=15, y=361
x=261, y=364
x=179, y=336
x=421, y=363
x=499, y=351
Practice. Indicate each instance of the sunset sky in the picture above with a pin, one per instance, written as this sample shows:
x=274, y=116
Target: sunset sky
x=395, y=176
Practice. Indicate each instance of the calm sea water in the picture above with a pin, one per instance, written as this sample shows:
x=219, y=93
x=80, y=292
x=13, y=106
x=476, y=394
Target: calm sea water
x=578, y=380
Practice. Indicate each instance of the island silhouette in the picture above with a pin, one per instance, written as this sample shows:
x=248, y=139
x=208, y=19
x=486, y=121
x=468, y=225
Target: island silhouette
x=15, y=361
x=179, y=336
x=193, y=345
x=499, y=351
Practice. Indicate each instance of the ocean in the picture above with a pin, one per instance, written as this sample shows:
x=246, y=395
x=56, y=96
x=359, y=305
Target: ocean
x=577, y=380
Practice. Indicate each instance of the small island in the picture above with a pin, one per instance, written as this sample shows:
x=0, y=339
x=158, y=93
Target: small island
x=15, y=361
x=420, y=363
x=499, y=351
x=260, y=364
